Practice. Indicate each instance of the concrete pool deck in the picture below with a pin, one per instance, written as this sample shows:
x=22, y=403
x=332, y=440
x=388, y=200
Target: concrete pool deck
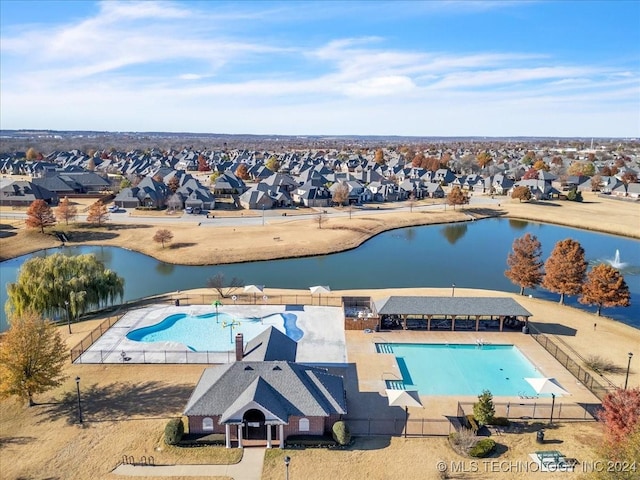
x=323, y=340
x=372, y=369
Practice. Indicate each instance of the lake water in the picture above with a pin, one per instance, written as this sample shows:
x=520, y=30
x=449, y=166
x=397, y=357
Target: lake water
x=469, y=255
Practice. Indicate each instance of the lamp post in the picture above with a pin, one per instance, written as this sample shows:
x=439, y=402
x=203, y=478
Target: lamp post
x=66, y=309
x=79, y=406
x=626, y=379
x=263, y=215
x=287, y=461
x=453, y=289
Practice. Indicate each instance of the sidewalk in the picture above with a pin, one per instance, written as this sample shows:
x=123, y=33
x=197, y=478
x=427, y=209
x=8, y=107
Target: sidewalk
x=249, y=468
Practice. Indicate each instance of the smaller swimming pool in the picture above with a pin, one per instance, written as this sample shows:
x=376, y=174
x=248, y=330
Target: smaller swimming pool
x=461, y=369
x=211, y=332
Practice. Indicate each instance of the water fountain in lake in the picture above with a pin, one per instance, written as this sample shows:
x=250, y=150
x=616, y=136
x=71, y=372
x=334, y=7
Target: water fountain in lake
x=616, y=263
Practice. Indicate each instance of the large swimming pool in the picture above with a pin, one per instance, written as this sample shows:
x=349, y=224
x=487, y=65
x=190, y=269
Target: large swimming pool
x=213, y=332
x=461, y=369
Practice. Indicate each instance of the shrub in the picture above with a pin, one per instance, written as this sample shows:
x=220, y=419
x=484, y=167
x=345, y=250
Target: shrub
x=317, y=441
x=173, y=431
x=482, y=448
x=483, y=411
x=597, y=363
x=500, y=422
x=340, y=433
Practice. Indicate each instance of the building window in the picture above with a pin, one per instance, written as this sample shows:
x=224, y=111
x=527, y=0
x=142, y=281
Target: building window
x=207, y=424
x=303, y=425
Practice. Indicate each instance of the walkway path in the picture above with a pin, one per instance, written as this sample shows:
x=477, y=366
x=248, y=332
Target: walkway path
x=249, y=468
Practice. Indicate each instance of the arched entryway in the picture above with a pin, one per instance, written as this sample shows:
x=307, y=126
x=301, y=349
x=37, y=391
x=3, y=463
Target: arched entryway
x=254, y=427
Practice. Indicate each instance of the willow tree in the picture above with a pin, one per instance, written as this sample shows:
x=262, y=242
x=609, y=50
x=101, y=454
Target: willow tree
x=605, y=287
x=525, y=266
x=32, y=357
x=51, y=285
x=565, y=269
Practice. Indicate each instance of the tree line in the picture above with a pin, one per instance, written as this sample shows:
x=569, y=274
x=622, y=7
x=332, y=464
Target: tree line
x=565, y=272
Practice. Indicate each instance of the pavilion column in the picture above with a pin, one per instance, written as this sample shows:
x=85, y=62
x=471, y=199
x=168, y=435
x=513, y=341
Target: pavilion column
x=404, y=322
x=428, y=322
x=477, y=323
x=269, y=436
x=281, y=433
x=453, y=322
x=227, y=435
x=501, y=322
x=240, y=436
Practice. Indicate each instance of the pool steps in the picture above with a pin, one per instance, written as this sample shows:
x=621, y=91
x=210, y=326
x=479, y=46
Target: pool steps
x=384, y=348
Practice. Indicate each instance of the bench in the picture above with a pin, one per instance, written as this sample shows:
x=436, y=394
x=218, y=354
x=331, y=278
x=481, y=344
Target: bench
x=277, y=239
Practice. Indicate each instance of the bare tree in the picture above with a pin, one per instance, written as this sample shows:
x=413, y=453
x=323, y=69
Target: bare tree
x=224, y=288
x=320, y=219
x=163, y=235
x=341, y=193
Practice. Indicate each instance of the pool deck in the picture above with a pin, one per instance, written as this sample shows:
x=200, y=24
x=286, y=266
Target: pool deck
x=372, y=369
x=323, y=340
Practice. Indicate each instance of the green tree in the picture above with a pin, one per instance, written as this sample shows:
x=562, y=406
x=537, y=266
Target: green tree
x=484, y=410
x=525, y=266
x=44, y=284
x=273, y=163
x=574, y=195
x=565, y=269
x=32, y=357
x=40, y=215
x=605, y=287
x=125, y=183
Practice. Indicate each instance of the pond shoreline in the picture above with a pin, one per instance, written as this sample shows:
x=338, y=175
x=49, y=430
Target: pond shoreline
x=298, y=238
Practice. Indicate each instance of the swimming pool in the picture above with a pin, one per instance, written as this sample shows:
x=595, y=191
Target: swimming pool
x=213, y=332
x=461, y=369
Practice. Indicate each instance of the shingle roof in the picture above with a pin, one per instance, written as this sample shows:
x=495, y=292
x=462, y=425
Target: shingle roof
x=451, y=306
x=294, y=389
x=271, y=344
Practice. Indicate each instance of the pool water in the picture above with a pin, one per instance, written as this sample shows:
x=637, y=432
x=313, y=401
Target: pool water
x=461, y=369
x=213, y=332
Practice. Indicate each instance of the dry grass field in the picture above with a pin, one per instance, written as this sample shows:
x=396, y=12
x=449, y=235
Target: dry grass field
x=126, y=407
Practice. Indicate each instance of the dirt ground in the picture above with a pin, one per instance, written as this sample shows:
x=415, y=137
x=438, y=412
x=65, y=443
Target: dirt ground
x=125, y=407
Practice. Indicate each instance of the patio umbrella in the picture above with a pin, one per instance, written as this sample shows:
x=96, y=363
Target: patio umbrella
x=406, y=399
x=547, y=385
x=319, y=289
x=253, y=289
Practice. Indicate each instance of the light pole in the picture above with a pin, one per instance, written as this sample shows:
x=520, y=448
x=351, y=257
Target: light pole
x=79, y=406
x=453, y=289
x=263, y=215
x=66, y=309
x=287, y=461
x=626, y=380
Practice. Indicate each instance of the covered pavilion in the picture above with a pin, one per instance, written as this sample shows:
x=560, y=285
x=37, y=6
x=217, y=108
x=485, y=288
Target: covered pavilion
x=451, y=313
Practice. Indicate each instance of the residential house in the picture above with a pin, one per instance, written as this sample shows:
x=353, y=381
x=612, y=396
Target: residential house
x=23, y=194
x=148, y=193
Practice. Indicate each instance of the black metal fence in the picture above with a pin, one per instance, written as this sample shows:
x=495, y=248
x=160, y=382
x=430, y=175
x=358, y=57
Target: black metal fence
x=419, y=427
x=574, y=366
x=538, y=409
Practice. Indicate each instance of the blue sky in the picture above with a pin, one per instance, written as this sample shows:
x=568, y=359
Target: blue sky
x=455, y=68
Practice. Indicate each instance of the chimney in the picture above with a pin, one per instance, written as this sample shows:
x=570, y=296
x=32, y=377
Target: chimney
x=239, y=347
